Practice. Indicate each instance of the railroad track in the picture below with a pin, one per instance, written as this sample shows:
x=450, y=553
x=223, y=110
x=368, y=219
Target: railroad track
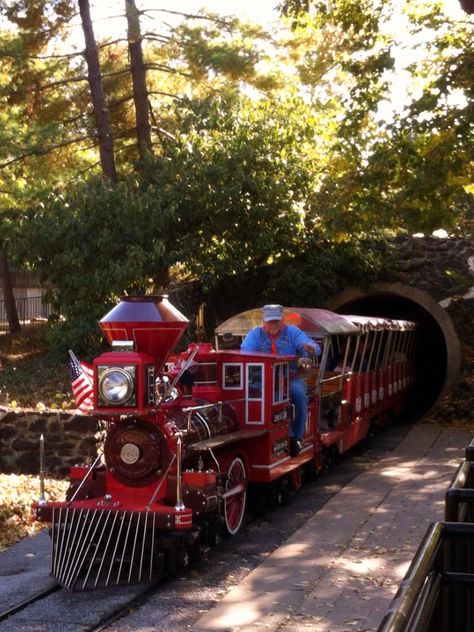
x=124, y=610
x=105, y=620
x=29, y=601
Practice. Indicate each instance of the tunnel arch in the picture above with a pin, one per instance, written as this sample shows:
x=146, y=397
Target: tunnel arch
x=439, y=354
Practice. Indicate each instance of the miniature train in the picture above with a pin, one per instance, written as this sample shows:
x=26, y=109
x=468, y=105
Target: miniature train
x=187, y=434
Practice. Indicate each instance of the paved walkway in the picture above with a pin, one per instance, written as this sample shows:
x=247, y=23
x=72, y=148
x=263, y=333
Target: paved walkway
x=339, y=572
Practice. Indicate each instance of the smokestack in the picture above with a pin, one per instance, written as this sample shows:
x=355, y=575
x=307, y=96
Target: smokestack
x=151, y=322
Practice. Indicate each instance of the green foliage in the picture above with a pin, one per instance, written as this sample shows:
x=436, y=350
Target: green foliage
x=459, y=283
x=238, y=171
x=91, y=245
x=234, y=185
x=308, y=277
x=323, y=269
x=34, y=100
x=434, y=136
x=414, y=173
x=342, y=55
x=224, y=47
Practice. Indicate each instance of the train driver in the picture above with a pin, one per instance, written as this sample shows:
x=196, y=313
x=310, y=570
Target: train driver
x=276, y=337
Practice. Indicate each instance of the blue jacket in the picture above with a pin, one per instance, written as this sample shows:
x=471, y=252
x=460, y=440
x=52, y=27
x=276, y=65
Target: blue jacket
x=291, y=341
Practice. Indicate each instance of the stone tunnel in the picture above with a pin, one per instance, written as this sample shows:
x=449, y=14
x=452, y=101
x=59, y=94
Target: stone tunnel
x=427, y=276
x=439, y=353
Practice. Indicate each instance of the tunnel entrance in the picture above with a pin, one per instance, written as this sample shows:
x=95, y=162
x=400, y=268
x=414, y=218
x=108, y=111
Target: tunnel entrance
x=439, y=352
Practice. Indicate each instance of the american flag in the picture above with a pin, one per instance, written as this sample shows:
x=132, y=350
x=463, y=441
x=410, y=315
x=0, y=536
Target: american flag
x=82, y=378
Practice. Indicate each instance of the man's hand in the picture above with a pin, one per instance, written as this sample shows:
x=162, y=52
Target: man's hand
x=305, y=364
x=312, y=349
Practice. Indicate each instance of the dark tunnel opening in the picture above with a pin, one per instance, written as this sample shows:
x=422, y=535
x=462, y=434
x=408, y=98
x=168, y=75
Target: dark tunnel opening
x=438, y=351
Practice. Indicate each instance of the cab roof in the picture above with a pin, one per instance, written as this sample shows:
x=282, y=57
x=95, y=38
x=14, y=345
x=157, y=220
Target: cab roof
x=313, y=321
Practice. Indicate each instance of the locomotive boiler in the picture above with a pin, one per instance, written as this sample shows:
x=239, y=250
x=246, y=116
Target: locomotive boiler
x=186, y=434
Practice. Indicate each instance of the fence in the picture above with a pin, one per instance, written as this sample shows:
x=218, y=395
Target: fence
x=459, y=499
x=437, y=593
x=30, y=309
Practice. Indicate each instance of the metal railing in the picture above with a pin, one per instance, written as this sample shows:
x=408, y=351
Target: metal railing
x=30, y=309
x=459, y=497
x=470, y=451
x=437, y=593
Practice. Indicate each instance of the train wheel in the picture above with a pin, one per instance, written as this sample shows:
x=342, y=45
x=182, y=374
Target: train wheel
x=329, y=458
x=310, y=471
x=283, y=491
x=234, y=502
x=372, y=430
x=216, y=532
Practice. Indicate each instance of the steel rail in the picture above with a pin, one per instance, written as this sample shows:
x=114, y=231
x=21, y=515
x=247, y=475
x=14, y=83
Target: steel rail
x=42, y=594
x=123, y=611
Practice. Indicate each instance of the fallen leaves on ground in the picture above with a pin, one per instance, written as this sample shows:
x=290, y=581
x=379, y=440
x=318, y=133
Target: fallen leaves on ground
x=17, y=493
x=30, y=376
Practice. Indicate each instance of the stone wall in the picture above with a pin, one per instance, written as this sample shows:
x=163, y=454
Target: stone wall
x=441, y=267
x=69, y=438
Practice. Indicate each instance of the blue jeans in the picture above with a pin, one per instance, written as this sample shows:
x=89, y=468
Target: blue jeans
x=300, y=400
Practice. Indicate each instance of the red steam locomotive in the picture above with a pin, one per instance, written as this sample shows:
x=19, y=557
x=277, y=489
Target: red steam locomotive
x=187, y=434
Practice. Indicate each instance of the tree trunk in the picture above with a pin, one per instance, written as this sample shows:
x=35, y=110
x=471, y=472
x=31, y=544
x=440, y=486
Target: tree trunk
x=140, y=92
x=101, y=113
x=467, y=5
x=7, y=290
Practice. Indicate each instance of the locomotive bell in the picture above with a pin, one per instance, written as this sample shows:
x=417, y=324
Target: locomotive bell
x=151, y=322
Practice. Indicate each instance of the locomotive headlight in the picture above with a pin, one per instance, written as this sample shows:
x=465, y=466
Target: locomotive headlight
x=117, y=385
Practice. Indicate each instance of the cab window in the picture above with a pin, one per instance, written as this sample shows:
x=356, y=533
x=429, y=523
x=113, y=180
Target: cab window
x=280, y=382
x=255, y=381
x=255, y=390
x=232, y=376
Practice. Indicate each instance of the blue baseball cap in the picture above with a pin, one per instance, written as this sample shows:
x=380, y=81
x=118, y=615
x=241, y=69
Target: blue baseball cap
x=272, y=312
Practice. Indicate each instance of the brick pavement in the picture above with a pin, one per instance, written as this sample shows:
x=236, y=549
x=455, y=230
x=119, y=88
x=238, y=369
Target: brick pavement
x=339, y=572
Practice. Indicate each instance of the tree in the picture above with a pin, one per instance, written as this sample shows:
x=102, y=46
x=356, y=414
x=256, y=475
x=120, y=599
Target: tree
x=39, y=130
x=467, y=5
x=101, y=113
x=92, y=244
x=414, y=173
x=254, y=169
x=233, y=186
x=25, y=123
x=434, y=135
x=8, y=297
x=237, y=170
x=138, y=71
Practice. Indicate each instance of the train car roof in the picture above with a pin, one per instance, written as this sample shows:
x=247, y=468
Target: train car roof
x=375, y=323
x=403, y=325
x=368, y=323
x=311, y=320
